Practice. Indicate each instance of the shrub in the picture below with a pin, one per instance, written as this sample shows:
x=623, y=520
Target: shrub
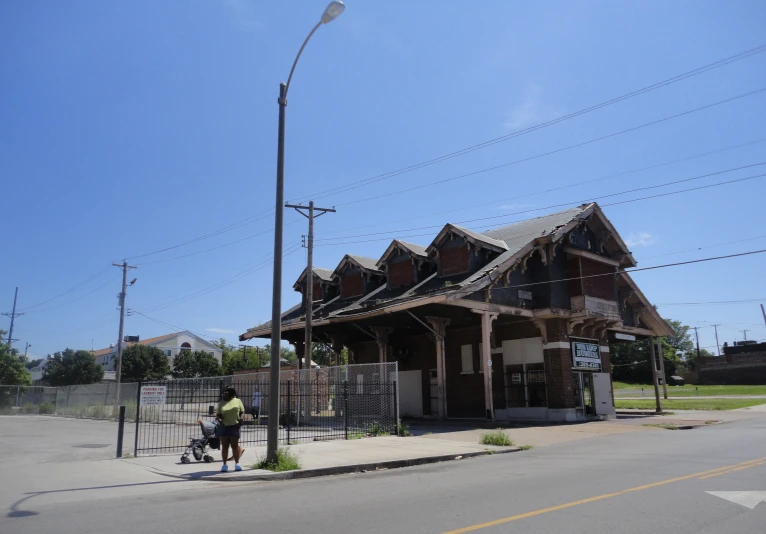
x=496, y=437
x=376, y=429
x=30, y=408
x=46, y=409
x=286, y=461
x=403, y=430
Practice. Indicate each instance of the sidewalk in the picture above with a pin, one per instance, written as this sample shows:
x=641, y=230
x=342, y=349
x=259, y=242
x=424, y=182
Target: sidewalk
x=327, y=458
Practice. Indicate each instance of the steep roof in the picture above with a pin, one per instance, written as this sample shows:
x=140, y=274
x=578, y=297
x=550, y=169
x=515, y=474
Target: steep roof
x=415, y=250
x=367, y=264
x=323, y=274
x=470, y=235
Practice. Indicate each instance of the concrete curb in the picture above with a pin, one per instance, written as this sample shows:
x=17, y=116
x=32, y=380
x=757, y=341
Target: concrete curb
x=340, y=469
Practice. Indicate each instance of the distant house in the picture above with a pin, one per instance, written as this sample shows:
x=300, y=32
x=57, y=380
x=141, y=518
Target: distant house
x=169, y=344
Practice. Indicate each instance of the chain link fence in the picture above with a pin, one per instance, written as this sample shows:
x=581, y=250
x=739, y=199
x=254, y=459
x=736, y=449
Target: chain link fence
x=318, y=404
x=27, y=400
x=96, y=401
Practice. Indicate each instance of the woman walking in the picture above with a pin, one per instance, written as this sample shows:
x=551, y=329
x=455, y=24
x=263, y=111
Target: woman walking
x=229, y=413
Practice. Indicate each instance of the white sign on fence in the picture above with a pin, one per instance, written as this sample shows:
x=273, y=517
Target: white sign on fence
x=153, y=395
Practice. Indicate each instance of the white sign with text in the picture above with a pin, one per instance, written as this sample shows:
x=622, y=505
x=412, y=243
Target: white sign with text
x=153, y=395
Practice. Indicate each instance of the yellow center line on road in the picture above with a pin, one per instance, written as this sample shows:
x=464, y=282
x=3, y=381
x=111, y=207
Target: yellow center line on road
x=732, y=470
x=717, y=471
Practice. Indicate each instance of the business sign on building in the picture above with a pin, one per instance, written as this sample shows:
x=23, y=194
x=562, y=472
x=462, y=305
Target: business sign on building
x=586, y=356
x=153, y=395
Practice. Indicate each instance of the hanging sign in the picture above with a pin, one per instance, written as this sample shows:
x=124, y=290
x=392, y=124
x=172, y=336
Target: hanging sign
x=586, y=356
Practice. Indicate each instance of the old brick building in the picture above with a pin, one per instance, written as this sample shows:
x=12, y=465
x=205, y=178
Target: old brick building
x=512, y=323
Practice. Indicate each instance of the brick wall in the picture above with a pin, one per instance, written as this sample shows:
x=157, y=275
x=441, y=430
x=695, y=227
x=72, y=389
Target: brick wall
x=400, y=274
x=558, y=367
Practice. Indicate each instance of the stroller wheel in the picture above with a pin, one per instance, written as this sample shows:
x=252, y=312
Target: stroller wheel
x=208, y=458
x=185, y=460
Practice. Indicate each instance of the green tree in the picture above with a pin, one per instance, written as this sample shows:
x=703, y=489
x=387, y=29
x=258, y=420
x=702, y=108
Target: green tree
x=144, y=362
x=12, y=370
x=71, y=367
x=195, y=364
x=630, y=359
x=285, y=353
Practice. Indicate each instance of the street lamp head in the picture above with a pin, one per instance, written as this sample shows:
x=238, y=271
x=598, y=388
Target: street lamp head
x=333, y=11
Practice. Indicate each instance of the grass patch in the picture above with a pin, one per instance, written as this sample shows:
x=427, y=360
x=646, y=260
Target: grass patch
x=355, y=435
x=286, y=461
x=688, y=404
x=526, y=447
x=403, y=430
x=427, y=433
x=376, y=429
x=692, y=390
x=496, y=437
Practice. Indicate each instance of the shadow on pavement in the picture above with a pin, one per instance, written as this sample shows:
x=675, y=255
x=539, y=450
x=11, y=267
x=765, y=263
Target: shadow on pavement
x=16, y=513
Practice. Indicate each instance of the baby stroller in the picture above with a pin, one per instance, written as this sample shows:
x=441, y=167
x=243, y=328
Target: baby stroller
x=198, y=447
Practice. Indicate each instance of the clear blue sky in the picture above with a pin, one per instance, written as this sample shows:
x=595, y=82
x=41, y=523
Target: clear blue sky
x=130, y=127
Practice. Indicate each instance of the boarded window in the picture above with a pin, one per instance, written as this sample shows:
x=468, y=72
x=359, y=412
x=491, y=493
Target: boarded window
x=602, y=287
x=453, y=260
x=400, y=274
x=466, y=357
x=351, y=285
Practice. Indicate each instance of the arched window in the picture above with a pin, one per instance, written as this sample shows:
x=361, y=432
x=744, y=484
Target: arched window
x=186, y=346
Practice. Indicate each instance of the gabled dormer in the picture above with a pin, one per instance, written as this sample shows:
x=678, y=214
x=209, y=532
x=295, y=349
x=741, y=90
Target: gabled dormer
x=461, y=251
x=405, y=264
x=357, y=275
x=325, y=287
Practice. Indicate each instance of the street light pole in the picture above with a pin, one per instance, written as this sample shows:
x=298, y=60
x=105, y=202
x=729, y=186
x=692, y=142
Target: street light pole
x=331, y=12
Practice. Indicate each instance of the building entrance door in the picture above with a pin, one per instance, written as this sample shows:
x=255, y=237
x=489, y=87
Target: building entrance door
x=584, y=398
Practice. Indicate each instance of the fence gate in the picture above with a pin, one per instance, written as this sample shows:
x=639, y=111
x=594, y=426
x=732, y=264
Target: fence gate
x=317, y=404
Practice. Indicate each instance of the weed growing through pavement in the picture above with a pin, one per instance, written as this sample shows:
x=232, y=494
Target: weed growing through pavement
x=286, y=461
x=496, y=437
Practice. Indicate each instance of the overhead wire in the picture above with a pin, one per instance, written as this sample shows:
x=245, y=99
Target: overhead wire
x=552, y=206
x=550, y=152
x=71, y=289
x=490, y=142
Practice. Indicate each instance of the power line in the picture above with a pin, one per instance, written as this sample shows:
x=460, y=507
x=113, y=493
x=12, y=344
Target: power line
x=569, y=203
x=479, y=146
x=73, y=288
x=704, y=248
x=219, y=285
x=75, y=299
x=550, y=152
x=80, y=330
x=568, y=186
x=712, y=302
x=168, y=325
x=321, y=194
x=634, y=270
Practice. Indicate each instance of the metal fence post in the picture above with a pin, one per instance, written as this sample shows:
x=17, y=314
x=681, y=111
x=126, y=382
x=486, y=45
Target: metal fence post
x=345, y=407
x=120, y=431
x=138, y=417
x=288, y=415
x=395, y=398
x=18, y=394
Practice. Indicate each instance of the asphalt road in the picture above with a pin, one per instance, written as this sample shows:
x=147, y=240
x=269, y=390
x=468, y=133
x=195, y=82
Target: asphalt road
x=630, y=483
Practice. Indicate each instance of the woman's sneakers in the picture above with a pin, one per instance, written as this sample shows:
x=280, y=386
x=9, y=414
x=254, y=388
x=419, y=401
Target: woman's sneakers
x=224, y=468
x=237, y=467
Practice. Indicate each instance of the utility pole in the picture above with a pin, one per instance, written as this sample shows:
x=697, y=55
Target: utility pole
x=13, y=316
x=715, y=327
x=26, y=349
x=309, y=271
x=118, y=368
x=696, y=333
x=244, y=355
x=653, y=361
x=764, y=314
x=661, y=355
x=745, y=333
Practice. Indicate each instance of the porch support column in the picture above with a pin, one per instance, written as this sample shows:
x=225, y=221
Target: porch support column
x=338, y=341
x=381, y=333
x=486, y=360
x=439, y=324
x=558, y=369
x=300, y=352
